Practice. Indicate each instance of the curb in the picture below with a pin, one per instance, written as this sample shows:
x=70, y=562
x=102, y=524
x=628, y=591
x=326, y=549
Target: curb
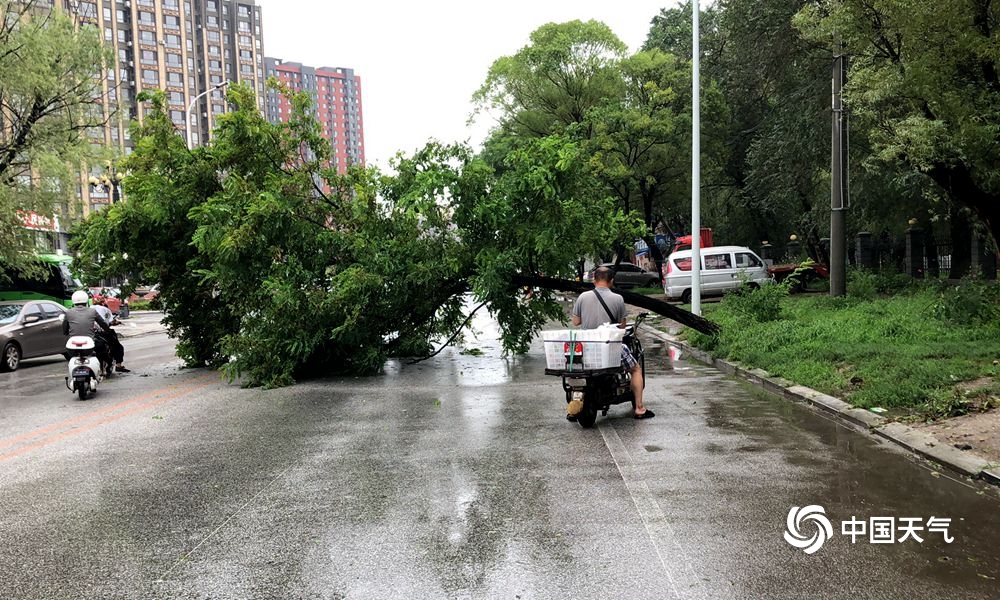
x=923, y=444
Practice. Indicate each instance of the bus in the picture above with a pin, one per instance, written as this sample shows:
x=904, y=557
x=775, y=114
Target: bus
x=57, y=284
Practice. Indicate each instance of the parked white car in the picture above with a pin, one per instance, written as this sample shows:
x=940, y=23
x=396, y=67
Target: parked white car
x=723, y=268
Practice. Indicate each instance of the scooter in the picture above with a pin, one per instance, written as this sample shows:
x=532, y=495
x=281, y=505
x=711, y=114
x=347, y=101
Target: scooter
x=598, y=389
x=85, y=368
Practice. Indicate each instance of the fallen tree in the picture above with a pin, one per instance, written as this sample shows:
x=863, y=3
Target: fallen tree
x=660, y=307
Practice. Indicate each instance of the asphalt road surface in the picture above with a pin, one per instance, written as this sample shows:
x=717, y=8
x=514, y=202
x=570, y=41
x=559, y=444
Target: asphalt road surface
x=459, y=477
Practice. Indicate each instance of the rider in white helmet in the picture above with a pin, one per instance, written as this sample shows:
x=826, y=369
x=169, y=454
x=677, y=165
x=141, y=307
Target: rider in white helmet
x=82, y=320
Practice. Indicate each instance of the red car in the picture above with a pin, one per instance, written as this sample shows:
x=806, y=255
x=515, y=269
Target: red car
x=110, y=297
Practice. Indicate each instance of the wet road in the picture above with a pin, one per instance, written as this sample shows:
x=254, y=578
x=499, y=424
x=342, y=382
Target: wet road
x=456, y=478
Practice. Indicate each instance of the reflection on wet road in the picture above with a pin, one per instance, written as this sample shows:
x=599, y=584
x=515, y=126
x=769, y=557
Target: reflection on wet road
x=459, y=477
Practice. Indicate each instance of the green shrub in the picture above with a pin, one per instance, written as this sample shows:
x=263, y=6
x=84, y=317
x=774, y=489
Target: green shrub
x=889, y=283
x=140, y=305
x=972, y=302
x=862, y=284
x=761, y=304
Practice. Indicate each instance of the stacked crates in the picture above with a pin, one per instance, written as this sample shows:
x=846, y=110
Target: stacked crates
x=601, y=348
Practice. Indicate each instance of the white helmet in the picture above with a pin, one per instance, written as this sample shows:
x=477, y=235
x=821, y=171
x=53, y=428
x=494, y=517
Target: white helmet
x=80, y=298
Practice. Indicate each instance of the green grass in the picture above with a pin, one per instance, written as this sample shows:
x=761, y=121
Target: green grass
x=911, y=351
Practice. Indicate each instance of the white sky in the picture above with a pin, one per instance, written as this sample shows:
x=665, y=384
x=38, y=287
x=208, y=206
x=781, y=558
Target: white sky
x=420, y=61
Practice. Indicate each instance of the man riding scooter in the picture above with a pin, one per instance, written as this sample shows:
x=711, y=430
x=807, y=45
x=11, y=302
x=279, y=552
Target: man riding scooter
x=82, y=320
x=111, y=336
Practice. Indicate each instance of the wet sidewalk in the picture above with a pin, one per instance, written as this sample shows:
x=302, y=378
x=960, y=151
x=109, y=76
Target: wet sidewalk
x=141, y=323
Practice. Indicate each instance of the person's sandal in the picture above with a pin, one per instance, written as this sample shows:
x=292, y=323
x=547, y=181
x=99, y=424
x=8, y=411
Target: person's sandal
x=648, y=414
x=122, y=369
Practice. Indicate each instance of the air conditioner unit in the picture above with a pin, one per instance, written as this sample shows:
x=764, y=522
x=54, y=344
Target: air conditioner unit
x=129, y=43
x=131, y=63
x=204, y=115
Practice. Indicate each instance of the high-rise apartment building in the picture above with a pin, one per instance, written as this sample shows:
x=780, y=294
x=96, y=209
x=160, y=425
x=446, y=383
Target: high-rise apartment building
x=187, y=48
x=336, y=101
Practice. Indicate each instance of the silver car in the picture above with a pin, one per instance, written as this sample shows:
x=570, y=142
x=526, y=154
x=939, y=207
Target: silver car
x=28, y=329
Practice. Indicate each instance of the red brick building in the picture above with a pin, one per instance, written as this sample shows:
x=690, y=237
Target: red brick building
x=336, y=101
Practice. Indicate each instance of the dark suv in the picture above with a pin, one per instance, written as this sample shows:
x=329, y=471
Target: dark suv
x=628, y=275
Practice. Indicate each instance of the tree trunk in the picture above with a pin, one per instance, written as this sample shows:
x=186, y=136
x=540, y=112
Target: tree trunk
x=660, y=307
x=961, y=248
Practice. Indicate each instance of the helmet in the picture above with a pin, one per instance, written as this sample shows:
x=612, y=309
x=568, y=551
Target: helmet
x=80, y=298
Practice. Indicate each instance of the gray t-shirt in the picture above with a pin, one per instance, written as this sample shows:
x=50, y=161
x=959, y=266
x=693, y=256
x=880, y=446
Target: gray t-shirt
x=592, y=314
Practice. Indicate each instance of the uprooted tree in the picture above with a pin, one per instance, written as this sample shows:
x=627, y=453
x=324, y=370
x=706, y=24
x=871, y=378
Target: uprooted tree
x=272, y=265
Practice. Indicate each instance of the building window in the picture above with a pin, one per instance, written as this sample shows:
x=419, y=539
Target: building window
x=146, y=18
x=177, y=98
x=174, y=60
x=150, y=76
x=213, y=36
x=172, y=40
x=172, y=21
x=175, y=79
x=147, y=37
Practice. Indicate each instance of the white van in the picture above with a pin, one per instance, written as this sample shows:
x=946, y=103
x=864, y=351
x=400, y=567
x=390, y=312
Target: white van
x=723, y=268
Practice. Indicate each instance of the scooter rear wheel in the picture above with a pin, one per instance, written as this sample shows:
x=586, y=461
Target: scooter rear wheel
x=82, y=389
x=587, y=416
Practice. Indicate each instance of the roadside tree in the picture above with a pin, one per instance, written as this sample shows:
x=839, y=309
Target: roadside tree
x=49, y=78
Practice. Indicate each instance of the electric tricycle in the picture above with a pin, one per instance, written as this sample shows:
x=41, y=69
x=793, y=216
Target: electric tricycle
x=593, y=390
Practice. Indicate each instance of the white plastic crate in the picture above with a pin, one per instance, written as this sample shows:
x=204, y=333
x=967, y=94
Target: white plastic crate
x=602, y=348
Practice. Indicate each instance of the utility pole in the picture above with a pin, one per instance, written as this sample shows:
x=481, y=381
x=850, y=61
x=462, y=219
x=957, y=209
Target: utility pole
x=839, y=188
x=695, y=159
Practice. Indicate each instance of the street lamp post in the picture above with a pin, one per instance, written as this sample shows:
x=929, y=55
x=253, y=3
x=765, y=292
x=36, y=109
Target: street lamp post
x=187, y=116
x=110, y=180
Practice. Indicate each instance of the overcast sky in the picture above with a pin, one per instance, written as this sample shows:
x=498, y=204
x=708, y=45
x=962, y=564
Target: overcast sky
x=421, y=60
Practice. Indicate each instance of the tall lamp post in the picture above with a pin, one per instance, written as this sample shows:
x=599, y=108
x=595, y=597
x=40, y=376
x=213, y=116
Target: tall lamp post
x=110, y=181
x=187, y=116
x=695, y=159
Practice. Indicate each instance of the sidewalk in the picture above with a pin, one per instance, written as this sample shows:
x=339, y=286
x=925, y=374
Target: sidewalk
x=926, y=441
x=140, y=323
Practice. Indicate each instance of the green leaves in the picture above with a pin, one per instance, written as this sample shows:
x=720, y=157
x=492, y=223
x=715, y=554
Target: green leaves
x=47, y=90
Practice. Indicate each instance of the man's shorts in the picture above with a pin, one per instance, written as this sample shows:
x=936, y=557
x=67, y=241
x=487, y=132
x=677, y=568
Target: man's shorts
x=628, y=361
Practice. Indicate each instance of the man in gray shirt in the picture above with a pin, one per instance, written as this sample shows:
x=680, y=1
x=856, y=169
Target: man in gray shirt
x=589, y=313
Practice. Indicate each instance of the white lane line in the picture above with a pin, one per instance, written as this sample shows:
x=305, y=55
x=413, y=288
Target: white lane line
x=653, y=519
x=162, y=578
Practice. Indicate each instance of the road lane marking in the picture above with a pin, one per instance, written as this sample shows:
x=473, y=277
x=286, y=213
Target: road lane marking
x=656, y=523
x=163, y=578
x=181, y=390
x=4, y=443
